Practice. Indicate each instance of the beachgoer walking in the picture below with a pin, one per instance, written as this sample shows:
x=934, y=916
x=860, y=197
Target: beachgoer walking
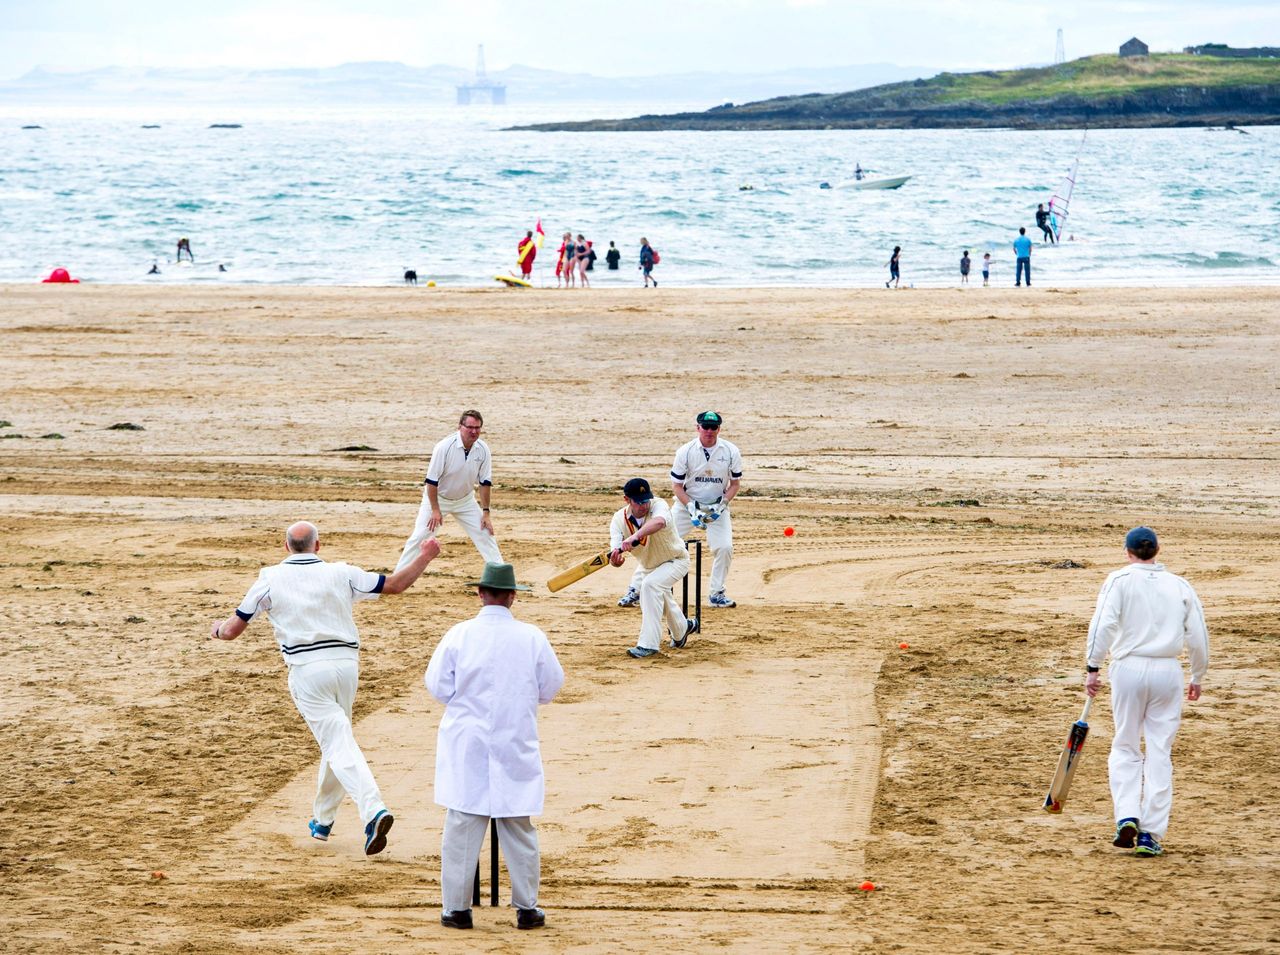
x=1144, y=618
x=584, y=260
x=1042, y=220
x=492, y=673
x=648, y=259
x=460, y=472
x=705, y=477
x=645, y=527
x=309, y=604
x=964, y=268
x=526, y=252
x=184, y=245
x=894, y=277
x=986, y=269
x=1022, y=249
x=613, y=257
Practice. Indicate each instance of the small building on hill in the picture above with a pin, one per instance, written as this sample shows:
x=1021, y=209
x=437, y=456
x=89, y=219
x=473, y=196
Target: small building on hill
x=1133, y=47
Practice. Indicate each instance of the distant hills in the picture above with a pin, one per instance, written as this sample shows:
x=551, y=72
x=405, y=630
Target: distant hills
x=380, y=83
x=1096, y=91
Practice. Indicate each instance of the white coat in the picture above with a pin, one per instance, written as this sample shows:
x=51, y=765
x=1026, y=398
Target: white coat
x=492, y=673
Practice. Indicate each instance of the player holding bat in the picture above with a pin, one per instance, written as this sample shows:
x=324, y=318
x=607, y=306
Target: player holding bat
x=644, y=528
x=705, y=477
x=1144, y=618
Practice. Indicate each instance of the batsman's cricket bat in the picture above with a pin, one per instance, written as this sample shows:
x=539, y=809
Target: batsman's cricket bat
x=577, y=572
x=1068, y=762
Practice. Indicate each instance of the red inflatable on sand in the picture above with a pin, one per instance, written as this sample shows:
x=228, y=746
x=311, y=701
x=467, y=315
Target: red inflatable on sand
x=60, y=275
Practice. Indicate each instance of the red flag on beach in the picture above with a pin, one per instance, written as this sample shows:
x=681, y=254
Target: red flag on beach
x=538, y=230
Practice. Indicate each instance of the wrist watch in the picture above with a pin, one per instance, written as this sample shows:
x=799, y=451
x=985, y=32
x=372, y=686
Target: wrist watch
x=1089, y=669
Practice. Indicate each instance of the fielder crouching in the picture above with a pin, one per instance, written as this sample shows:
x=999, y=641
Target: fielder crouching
x=644, y=527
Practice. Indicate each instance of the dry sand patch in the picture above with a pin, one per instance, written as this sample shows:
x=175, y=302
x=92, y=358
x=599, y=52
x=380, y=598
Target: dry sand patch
x=871, y=423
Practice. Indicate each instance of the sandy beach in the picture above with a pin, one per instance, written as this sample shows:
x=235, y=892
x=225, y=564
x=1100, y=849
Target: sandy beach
x=959, y=468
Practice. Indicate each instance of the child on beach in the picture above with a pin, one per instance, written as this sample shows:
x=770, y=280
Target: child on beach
x=986, y=269
x=964, y=268
x=894, y=277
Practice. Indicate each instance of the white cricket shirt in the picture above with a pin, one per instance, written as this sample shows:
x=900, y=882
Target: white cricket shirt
x=309, y=604
x=706, y=472
x=1145, y=611
x=455, y=471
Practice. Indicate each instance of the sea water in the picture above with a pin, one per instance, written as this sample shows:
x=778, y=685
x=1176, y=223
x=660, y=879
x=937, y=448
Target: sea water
x=357, y=197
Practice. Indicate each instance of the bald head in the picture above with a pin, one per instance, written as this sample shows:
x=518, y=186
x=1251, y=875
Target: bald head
x=301, y=538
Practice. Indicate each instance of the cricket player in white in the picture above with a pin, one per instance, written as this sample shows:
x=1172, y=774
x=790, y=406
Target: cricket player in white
x=309, y=605
x=1144, y=618
x=705, y=477
x=460, y=464
x=645, y=529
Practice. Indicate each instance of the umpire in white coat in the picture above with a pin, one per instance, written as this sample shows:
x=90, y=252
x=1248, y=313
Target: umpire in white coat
x=492, y=673
x=1144, y=618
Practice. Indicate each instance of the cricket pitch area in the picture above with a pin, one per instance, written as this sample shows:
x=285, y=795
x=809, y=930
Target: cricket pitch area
x=959, y=468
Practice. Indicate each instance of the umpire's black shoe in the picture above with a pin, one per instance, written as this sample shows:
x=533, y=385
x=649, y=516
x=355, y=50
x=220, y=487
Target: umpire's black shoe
x=530, y=918
x=459, y=919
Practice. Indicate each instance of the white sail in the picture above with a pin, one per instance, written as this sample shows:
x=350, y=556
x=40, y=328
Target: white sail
x=1060, y=201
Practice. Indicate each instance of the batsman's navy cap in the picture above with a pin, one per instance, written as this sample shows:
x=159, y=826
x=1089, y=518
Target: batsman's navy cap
x=1139, y=536
x=637, y=489
x=710, y=419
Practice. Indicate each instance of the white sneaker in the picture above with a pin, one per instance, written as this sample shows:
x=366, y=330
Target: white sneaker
x=630, y=598
x=720, y=600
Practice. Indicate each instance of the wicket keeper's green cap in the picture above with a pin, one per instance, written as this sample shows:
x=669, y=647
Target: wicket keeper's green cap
x=637, y=489
x=710, y=419
x=497, y=577
x=1139, y=536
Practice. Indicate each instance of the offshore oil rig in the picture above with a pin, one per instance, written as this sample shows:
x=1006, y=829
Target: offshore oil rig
x=482, y=87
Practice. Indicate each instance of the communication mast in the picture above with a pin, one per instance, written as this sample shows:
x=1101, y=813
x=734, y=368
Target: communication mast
x=1059, y=53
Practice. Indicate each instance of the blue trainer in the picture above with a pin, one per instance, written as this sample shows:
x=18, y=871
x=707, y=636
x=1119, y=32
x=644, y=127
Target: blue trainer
x=1147, y=845
x=375, y=833
x=320, y=832
x=1126, y=833
x=640, y=652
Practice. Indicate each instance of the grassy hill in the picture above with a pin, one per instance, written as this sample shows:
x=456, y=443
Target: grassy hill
x=1098, y=91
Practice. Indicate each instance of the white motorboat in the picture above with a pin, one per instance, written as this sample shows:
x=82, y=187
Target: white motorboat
x=892, y=182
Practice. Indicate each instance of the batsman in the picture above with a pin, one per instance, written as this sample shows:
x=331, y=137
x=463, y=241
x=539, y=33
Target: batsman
x=644, y=528
x=705, y=477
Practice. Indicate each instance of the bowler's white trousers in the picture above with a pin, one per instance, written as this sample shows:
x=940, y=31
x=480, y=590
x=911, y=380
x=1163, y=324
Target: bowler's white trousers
x=719, y=539
x=323, y=691
x=1146, y=701
x=460, y=849
x=467, y=511
x=658, y=603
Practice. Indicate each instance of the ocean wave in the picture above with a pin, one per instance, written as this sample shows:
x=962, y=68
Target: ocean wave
x=520, y=172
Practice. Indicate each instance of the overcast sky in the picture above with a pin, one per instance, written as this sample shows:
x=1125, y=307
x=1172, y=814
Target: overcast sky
x=607, y=37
